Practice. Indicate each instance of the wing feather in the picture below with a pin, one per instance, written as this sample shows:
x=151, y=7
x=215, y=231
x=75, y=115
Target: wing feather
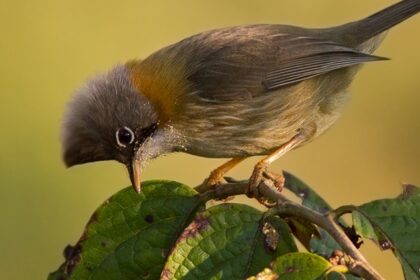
x=302, y=68
x=245, y=62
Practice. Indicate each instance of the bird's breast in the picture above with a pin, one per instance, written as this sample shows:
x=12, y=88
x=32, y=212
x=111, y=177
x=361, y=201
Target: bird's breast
x=257, y=126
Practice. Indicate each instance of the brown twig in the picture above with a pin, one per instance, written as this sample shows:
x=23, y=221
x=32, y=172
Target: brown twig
x=286, y=207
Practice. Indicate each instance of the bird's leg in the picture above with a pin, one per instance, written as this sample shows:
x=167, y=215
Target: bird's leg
x=216, y=176
x=260, y=168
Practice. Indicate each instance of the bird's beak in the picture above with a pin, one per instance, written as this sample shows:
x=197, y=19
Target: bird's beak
x=134, y=169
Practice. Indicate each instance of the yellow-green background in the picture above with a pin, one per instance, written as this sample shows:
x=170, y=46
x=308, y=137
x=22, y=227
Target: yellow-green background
x=48, y=48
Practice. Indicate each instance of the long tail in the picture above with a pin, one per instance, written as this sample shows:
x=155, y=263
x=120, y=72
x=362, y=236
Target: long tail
x=355, y=33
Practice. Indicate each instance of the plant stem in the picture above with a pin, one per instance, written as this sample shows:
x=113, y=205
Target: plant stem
x=286, y=207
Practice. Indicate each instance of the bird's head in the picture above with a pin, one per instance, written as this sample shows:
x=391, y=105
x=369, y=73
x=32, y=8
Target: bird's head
x=109, y=119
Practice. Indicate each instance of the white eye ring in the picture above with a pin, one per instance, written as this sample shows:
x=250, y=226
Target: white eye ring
x=124, y=136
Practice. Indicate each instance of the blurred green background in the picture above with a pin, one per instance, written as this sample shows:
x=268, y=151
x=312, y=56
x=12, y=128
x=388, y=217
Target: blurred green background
x=48, y=49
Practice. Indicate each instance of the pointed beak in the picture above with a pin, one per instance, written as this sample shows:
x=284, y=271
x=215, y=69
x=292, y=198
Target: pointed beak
x=134, y=170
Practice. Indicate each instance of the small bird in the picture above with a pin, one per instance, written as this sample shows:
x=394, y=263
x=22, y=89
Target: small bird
x=234, y=93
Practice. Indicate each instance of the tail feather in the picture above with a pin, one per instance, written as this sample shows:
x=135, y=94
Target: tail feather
x=355, y=33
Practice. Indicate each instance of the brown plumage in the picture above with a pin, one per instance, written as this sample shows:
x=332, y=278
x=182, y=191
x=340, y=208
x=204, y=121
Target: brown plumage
x=231, y=92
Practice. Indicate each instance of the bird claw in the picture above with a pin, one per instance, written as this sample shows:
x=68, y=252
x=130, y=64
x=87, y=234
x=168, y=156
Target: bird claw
x=259, y=174
x=255, y=179
x=277, y=179
x=214, y=180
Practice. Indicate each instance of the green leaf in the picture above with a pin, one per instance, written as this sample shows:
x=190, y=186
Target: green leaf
x=303, y=230
x=130, y=235
x=394, y=224
x=364, y=228
x=286, y=243
x=322, y=244
x=298, y=266
x=223, y=242
x=309, y=197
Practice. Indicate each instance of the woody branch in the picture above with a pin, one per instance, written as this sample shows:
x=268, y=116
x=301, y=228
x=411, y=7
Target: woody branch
x=284, y=207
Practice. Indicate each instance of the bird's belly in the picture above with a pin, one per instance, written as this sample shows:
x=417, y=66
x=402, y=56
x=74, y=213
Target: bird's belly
x=258, y=127
x=244, y=145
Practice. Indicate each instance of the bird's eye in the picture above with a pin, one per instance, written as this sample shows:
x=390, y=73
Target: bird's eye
x=124, y=136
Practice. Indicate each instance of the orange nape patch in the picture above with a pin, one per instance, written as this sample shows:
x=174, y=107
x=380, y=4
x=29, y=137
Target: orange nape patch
x=164, y=85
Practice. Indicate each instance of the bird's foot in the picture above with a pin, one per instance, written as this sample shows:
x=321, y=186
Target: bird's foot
x=215, y=179
x=217, y=176
x=277, y=179
x=261, y=173
x=256, y=178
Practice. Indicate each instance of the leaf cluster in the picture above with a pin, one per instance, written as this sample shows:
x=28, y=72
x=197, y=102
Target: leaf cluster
x=168, y=232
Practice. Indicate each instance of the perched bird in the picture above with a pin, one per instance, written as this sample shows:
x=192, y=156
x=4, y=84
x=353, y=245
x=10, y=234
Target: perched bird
x=227, y=93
